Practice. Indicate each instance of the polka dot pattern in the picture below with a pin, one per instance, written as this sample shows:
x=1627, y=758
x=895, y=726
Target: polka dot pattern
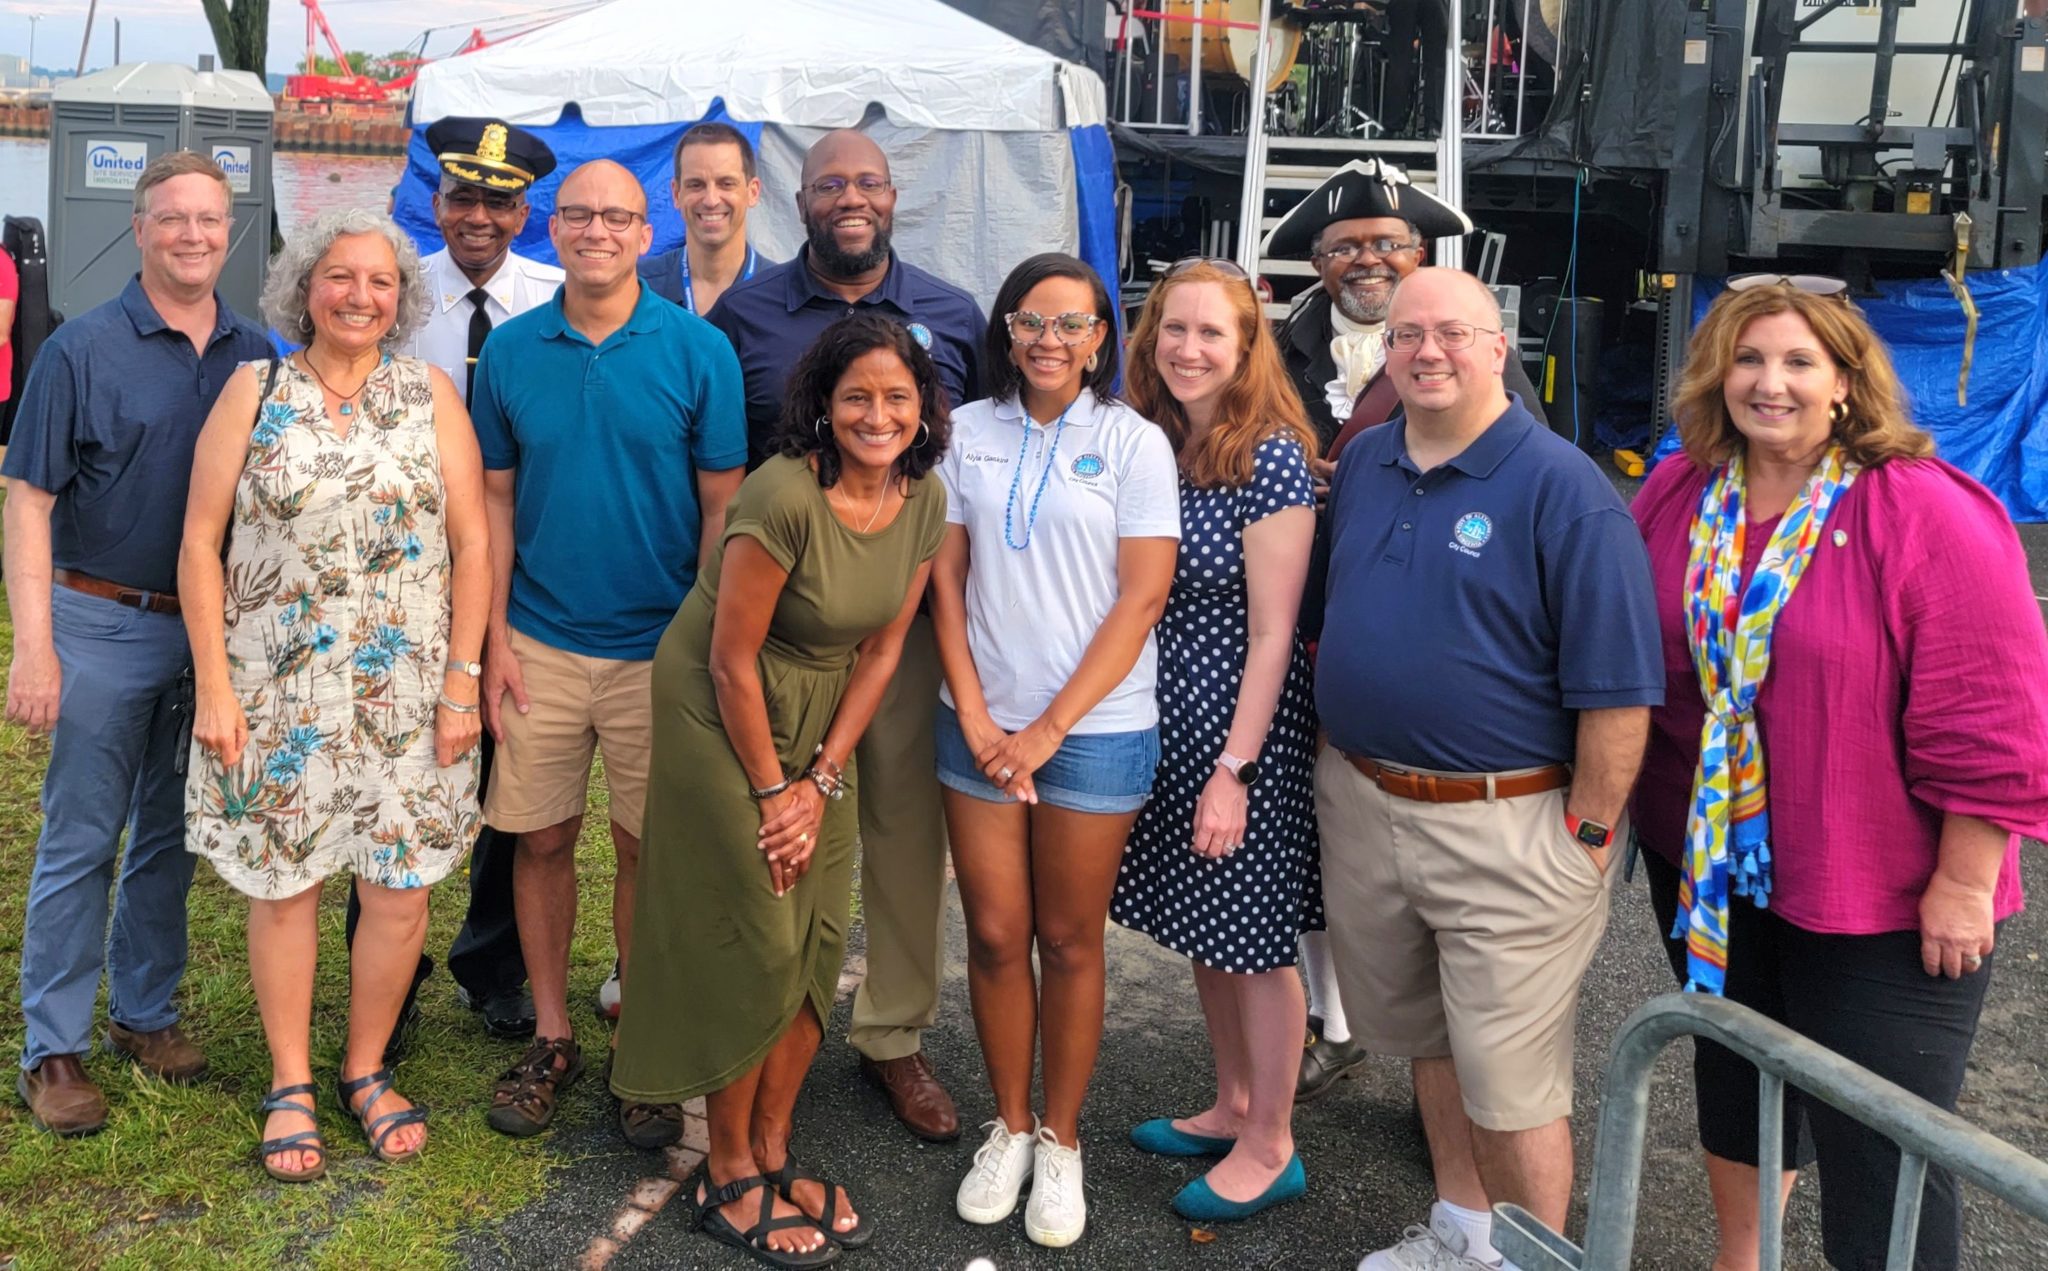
x=1241, y=913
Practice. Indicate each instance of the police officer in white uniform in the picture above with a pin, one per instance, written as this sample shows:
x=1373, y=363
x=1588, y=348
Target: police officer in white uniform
x=477, y=280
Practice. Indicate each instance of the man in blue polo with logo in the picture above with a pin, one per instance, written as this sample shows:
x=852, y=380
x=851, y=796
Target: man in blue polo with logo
x=847, y=203
x=1489, y=662
x=96, y=483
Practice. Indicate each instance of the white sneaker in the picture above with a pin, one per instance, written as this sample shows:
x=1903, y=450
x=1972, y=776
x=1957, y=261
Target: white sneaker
x=608, y=995
x=1441, y=1246
x=1058, y=1211
x=989, y=1192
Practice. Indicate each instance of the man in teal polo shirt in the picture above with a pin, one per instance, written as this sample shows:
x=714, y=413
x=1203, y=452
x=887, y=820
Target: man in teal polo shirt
x=613, y=430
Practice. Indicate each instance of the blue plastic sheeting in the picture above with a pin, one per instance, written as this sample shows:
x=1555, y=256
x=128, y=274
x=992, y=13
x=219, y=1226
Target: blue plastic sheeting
x=1095, y=179
x=646, y=150
x=2001, y=437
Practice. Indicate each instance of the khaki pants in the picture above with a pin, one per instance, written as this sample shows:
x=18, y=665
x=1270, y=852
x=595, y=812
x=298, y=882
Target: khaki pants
x=903, y=857
x=1462, y=930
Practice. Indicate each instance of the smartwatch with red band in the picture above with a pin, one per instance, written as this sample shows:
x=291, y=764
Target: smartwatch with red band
x=1591, y=833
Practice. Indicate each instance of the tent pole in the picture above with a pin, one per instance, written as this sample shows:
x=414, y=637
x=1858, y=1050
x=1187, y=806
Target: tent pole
x=1450, y=143
x=1251, y=203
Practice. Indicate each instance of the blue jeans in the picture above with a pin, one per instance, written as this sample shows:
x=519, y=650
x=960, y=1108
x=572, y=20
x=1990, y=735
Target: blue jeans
x=1090, y=772
x=118, y=730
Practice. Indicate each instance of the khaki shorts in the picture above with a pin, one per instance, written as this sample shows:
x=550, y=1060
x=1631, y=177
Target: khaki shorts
x=1462, y=929
x=541, y=773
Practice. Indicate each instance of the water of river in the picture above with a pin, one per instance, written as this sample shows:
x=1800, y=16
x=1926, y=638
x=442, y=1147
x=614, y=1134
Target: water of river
x=307, y=184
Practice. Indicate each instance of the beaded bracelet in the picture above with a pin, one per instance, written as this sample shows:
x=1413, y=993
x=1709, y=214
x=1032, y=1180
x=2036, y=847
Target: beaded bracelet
x=769, y=792
x=828, y=785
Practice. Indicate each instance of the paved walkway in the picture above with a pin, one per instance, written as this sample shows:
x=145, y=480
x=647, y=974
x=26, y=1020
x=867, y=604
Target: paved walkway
x=616, y=1207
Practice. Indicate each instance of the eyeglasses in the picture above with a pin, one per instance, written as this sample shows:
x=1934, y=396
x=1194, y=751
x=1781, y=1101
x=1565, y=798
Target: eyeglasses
x=1028, y=328
x=832, y=187
x=1222, y=264
x=576, y=216
x=1450, y=336
x=1812, y=284
x=468, y=199
x=1346, y=252
x=175, y=222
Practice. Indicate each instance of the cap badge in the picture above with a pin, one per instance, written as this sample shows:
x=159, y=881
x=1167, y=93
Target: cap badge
x=492, y=148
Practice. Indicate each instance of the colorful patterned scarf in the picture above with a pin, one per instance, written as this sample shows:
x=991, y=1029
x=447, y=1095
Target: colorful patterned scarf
x=1728, y=831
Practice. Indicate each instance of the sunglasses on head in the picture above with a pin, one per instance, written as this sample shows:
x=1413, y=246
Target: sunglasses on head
x=1222, y=264
x=1812, y=284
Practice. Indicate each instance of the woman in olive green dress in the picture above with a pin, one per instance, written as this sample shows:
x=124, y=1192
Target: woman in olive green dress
x=762, y=685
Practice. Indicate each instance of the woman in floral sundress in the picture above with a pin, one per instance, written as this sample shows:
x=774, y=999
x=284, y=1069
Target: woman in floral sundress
x=333, y=655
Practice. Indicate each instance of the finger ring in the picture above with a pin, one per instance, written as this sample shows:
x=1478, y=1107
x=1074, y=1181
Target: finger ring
x=1003, y=774
x=803, y=838
x=1973, y=960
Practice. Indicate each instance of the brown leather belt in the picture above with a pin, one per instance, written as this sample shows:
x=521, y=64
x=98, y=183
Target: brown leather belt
x=1423, y=787
x=134, y=598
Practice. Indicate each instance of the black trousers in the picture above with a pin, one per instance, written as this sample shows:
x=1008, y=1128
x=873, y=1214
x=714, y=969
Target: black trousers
x=1868, y=999
x=485, y=957
x=1405, y=20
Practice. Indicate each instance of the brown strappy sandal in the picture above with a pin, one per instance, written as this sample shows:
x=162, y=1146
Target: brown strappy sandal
x=523, y=1102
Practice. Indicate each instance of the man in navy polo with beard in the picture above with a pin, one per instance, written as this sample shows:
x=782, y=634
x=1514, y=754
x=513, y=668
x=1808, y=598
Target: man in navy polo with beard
x=847, y=203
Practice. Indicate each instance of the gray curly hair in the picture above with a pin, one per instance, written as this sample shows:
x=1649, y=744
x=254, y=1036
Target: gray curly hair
x=291, y=272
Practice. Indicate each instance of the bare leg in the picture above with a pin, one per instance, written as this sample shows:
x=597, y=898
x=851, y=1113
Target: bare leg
x=1224, y=1118
x=992, y=861
x=1273, y=1013
x=626, y=852
x=731, y=1113
x=544, y=898
x=1449, y=1132
x=1074, y=859
x=1530, y=1168
x=1734, y=1188
x=284, y=942
x=782, y=1077
x=393, y=927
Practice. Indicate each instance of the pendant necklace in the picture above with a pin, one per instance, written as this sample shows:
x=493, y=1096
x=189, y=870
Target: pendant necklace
x=346, y=408
x=1017, y=479
x=876, y=514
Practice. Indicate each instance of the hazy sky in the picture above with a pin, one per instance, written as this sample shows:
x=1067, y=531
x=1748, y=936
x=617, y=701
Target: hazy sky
x=176, y=30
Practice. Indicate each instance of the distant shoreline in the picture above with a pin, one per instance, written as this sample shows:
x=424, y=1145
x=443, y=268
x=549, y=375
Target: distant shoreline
x=382, y=133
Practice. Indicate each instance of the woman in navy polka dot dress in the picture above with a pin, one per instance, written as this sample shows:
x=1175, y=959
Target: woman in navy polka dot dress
x=1223, y=865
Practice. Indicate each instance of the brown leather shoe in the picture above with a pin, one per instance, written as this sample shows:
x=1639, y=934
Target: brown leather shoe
x=915, y=1095
x=165, y=1051
x=61, y=1098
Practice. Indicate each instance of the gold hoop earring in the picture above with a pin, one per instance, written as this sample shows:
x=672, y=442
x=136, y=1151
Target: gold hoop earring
x=1838, y=413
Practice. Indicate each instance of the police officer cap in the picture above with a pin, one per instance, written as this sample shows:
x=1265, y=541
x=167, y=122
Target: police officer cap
x=1360, y=189
x=489, y=153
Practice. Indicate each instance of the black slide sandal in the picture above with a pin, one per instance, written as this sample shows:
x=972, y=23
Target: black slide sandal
x=754, y=1239
x=791, y=1173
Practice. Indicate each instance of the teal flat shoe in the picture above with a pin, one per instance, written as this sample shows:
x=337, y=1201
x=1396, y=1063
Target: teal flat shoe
x=1198, y=1203
x=1158, y=1137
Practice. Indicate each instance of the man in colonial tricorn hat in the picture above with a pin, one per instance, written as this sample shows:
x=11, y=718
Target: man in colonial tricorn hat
x=1364, y=230
x=474, y=283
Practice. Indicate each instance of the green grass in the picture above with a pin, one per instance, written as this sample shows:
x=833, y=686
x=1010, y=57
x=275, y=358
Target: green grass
x=173, y=1180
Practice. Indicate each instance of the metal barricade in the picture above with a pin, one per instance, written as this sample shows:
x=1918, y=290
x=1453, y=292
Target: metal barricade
x=1923, y=1132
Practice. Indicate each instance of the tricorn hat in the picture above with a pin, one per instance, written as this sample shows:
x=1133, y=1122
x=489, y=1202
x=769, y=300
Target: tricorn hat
x=489, y=153
x=1363, y=188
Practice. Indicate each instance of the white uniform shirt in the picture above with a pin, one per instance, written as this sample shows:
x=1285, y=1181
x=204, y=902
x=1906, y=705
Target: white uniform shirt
x=520, y=284
x=1032, y=613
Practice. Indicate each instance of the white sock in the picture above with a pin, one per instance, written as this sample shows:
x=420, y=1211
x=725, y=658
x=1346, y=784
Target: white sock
x=1324, y=1002
x=1477, y=1224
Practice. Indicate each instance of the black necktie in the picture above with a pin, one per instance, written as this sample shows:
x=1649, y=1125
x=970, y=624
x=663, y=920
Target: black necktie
x=479, y=327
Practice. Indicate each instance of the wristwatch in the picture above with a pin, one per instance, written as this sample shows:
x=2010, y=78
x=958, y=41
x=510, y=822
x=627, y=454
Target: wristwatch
x=473, y=670
x=1591, y=833
x=1245, y=770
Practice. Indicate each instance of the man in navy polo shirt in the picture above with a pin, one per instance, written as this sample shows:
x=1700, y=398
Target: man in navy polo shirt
x=846, y=266
x=714, y=187
x=96, y=483
x=1489, y=661
x=612, y=436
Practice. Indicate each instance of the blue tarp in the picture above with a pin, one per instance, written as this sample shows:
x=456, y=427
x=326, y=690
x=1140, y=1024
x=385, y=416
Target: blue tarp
x=2001, y=437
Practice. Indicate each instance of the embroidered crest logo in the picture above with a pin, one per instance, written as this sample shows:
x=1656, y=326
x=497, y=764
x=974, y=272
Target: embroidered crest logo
x=1472, y=532
x=922, y=334
x=1089, y=466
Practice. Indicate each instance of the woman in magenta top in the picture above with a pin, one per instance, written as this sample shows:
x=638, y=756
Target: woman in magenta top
x=1859, y=612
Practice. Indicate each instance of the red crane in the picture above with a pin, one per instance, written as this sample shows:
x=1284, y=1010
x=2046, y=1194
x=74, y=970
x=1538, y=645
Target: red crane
x=349, y=86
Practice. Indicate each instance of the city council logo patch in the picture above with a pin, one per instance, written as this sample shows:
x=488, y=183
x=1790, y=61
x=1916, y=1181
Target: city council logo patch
x=1473, y=530
x=1089, y=466
x=922, y=334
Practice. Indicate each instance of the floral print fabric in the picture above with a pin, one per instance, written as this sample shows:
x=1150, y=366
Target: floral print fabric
x=337, y=613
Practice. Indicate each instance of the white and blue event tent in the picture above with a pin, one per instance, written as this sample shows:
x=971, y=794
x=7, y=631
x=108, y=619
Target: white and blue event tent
x=998, y=149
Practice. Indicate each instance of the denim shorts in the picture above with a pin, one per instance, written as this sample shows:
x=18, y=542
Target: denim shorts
x=1096, y=772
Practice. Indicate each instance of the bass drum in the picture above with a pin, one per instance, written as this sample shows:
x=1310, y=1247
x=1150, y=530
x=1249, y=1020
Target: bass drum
x=1231, y=50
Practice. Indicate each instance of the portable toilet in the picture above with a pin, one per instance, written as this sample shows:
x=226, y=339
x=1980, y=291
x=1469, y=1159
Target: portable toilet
x=104, y=130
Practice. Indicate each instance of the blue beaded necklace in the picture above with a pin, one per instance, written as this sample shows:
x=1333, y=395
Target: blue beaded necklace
x=1044, y=478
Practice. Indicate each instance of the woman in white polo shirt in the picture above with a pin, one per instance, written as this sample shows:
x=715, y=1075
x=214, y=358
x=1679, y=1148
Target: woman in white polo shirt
x=1063, y=524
